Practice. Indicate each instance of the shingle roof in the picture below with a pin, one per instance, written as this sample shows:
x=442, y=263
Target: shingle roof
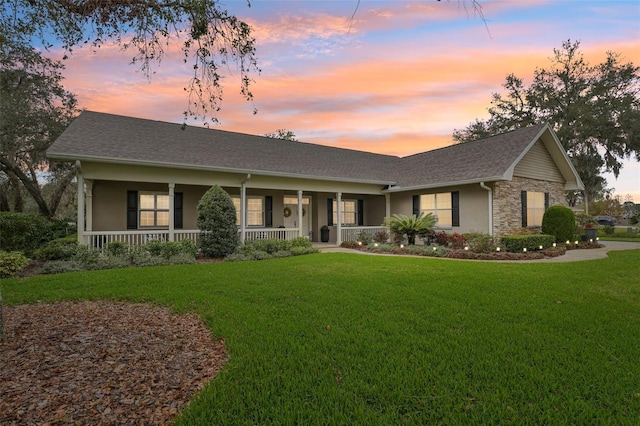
x=484, y=159
x=112, y=138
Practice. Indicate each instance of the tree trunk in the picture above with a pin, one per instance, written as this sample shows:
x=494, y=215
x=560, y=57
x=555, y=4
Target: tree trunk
x=32, y=187
x=18, y=201
x=1, y=320
x=4, y=200
x=62, y=185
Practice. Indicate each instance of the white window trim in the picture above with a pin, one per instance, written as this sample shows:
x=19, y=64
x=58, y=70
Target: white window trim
x=155, y=210
x=240, y=215
x=447, y=226
x=343, y=211
x=533, y=208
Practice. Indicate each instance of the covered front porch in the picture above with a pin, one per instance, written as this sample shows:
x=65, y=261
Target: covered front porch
x=139, y=237
x=144, y=206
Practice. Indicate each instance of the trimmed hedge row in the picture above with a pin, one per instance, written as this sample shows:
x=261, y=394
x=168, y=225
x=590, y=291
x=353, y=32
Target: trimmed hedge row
x=271, y=248
x=517, y=243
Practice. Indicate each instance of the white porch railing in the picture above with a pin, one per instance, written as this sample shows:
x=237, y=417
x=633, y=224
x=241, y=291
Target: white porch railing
x=351, y=233
x=101, y=238
x=277, y=233
x=139, y=237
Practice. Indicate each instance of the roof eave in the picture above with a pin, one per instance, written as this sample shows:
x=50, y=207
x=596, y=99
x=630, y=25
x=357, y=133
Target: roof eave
x=108, y=160
x=444, y=184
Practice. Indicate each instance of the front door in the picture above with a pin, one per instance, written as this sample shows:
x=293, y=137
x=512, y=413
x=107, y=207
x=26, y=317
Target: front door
x=291, y=213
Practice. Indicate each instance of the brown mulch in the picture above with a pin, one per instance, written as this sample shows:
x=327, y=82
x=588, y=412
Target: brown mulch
x=102, y=363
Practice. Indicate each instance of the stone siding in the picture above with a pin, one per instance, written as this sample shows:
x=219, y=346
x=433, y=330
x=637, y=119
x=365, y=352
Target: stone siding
x=507, y=204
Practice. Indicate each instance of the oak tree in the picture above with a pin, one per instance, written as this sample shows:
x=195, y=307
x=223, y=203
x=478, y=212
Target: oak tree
x=210, y=39
x=35, y=109
x=594, y=109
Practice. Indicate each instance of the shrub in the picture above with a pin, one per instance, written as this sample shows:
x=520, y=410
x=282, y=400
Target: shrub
x=188, y=246
x=87, y=256
x=260, y=255
x=272, y=248
x=411, y=226
x=582, y=219
x=181, y=258
x=481, y=243
x=170, y=248
x=560, y=222
x=349, y=244
x=154, y=247
x=12, y=262
x=609, y=230
x=298, y=251
x=60, y=266
x=62, y=228
x=116, y=248
x=456, y=241
x=441, y=238
x=23, y=231
x=381, y=248
x=269, y=245
x=517, y=243
x=364, y=237
x=60, y=249
x=300, y=242
x=217, y=223
x=381, y=237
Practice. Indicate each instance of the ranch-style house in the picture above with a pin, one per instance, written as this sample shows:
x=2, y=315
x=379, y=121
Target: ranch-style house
x=143, y=180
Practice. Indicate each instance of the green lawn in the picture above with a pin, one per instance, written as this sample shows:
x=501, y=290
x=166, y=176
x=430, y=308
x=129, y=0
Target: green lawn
x=353, y=339
x=621, y=234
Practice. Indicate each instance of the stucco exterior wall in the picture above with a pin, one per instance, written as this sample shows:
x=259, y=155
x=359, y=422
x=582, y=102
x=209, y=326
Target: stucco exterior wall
x=507, y=205
x=474, y=207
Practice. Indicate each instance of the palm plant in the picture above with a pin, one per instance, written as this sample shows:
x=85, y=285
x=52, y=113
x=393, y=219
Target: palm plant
x=411, y=226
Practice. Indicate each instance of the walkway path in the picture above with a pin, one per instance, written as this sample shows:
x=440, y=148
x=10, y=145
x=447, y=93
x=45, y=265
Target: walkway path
x=569, y=256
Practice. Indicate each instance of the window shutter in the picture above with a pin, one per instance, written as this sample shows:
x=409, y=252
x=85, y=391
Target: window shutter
x=546, y=200
x=523, y=199
x=268, y=211
x=455, y=208
x=177, y=210
x=360, y=212
x=416, y=205
x=330, y=211
x=132, y=209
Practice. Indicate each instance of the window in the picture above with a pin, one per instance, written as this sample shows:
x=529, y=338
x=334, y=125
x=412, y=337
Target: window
x=534, y=205
x=255, y=210
x=348, y=212
x=440, y=205
x=153, y=210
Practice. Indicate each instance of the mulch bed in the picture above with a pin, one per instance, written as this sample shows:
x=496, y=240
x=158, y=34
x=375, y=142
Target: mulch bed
x=102, y=363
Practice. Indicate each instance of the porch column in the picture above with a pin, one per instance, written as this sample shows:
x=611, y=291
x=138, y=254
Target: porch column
x=243, y=211
x=89, y=202
x=80, y=180
x=387, y=199
x=300, y=231
x=172, y=206
x=339, y=220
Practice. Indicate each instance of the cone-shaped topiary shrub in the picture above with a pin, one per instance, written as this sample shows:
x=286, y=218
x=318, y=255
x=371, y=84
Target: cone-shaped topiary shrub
x=217, y=223
x=560, y=222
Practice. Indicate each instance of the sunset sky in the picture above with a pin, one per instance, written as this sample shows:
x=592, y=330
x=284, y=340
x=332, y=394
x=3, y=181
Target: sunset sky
x=398, y=79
